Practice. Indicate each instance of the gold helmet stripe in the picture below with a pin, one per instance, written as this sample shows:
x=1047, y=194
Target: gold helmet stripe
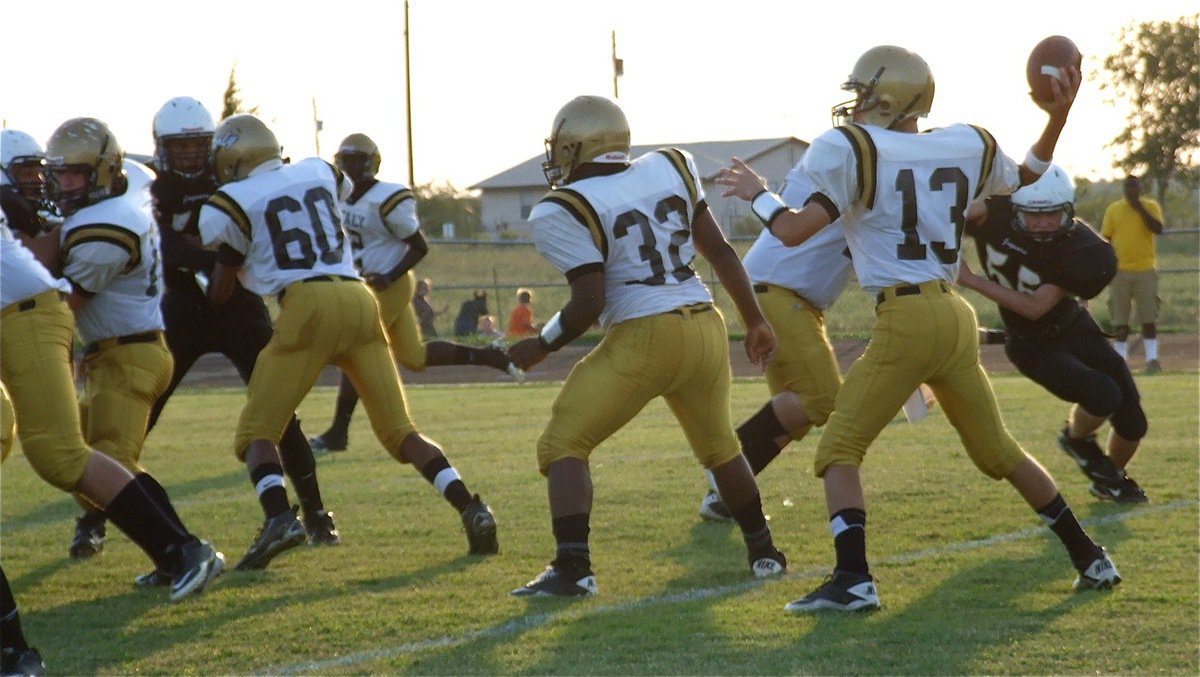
x=680, y=164
x=866, y=159
x=989, y=157
x=232, y=209
x=394, y=201
x=124, y=238
x=578, y=206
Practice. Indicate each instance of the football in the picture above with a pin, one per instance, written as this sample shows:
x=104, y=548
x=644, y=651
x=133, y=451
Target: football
x=1044, y=63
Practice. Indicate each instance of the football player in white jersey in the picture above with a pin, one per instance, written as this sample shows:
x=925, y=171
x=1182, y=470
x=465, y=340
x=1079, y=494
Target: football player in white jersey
x=35, y=366
x=110, y=254
x=902, y=199
x=381, y=220
x=279, y=232
x=625, y=233
x=794, y=286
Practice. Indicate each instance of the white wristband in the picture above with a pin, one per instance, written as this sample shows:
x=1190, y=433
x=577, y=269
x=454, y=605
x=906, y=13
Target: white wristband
x=552, y=332
x=766, y=206
x=1035, y=165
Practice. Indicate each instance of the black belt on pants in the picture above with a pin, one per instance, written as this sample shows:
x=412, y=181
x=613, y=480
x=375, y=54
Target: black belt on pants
x=910, y=290
x=31, y=303
x=144, y=337
x=319, y=278
x=692, y=309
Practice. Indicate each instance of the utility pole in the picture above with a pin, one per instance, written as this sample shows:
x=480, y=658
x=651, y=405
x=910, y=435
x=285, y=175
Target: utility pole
x=408, y=99
x=318, y=125
x=618, y=65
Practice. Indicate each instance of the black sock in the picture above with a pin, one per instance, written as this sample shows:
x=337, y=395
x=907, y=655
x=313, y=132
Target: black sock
x=11, y=635
x=753, y=523
x=159, y=494
x=757, y=436
x=268, y=484
x=849, y=528
x=343, y=411
x=301, y=469
x=445, y=479
x=1061, y=520
x=571, y=536
x=138, y=515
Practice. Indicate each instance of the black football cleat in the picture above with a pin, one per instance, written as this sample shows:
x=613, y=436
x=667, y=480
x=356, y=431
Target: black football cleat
x=200, y=564
x=554, y=582
x=26, y=662
x=480, y=525
x=89, y=536
x=277, y=534
x=841, y=591
x=321, y=529
x=329, y=442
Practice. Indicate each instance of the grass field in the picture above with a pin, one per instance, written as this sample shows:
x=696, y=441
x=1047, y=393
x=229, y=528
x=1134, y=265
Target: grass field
x=970, y=580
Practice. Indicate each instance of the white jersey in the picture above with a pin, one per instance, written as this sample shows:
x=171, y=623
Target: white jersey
x=22, y=276
x=284, y=221
x=111, y=254
x=378, y=222
x=902, y=197
x=140, y=177
x=637, y=225
x=817, y=269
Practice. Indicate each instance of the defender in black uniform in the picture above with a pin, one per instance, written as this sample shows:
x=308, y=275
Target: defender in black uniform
x=1038, y=259
x=239, y=328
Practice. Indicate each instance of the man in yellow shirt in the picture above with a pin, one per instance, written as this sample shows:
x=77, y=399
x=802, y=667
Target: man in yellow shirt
x=1132, y=224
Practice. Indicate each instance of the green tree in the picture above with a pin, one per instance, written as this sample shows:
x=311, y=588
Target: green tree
x=443, y=203
x=233, y=100
x=1157, y=70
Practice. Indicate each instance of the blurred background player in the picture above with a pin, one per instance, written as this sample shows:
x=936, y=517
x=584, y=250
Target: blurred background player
x=381, y=220
x=1132, y=224
x=1036, y=258
x=238, y=328
x=625, y=234
x=902, y=198
x=326, y=316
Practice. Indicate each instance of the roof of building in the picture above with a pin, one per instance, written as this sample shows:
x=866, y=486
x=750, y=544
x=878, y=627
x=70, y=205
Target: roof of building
x=710, y=157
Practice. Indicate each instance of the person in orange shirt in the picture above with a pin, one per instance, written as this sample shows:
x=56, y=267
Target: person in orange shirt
x=1132, y=224
x=520, y=322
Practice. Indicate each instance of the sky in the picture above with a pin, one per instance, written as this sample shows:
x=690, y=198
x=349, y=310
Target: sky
x=488, y=77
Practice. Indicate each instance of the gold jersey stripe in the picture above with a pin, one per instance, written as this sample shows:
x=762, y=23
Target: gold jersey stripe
x=866, y=160
x=578, y=206
x=124, y=238
x=989, y=158
x=680, y=164
x=232, y=209
x=394, y=201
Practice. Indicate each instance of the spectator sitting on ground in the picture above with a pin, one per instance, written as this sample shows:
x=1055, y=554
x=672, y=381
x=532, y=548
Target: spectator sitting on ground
x=520, y=322
x=488, y=328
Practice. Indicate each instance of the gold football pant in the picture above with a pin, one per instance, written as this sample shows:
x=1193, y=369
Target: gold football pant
x=682, y=355
x=401, y=323
x=927, y=337
x=35, y=364
x=124, y=380
x=8, y=424
x=804, y=361
x=324, y=321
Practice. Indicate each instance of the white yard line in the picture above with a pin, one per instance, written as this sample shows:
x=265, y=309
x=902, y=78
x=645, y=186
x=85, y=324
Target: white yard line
x=542, y=619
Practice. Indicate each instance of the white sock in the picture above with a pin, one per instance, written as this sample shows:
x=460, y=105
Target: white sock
x=1120, y=347
x=1151, y=349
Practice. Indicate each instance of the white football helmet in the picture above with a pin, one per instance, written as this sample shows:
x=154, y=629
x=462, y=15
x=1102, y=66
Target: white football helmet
x=183, y=118
x=587, y=129
x=21, y=164
x=891, y=84
x=1054, y=191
